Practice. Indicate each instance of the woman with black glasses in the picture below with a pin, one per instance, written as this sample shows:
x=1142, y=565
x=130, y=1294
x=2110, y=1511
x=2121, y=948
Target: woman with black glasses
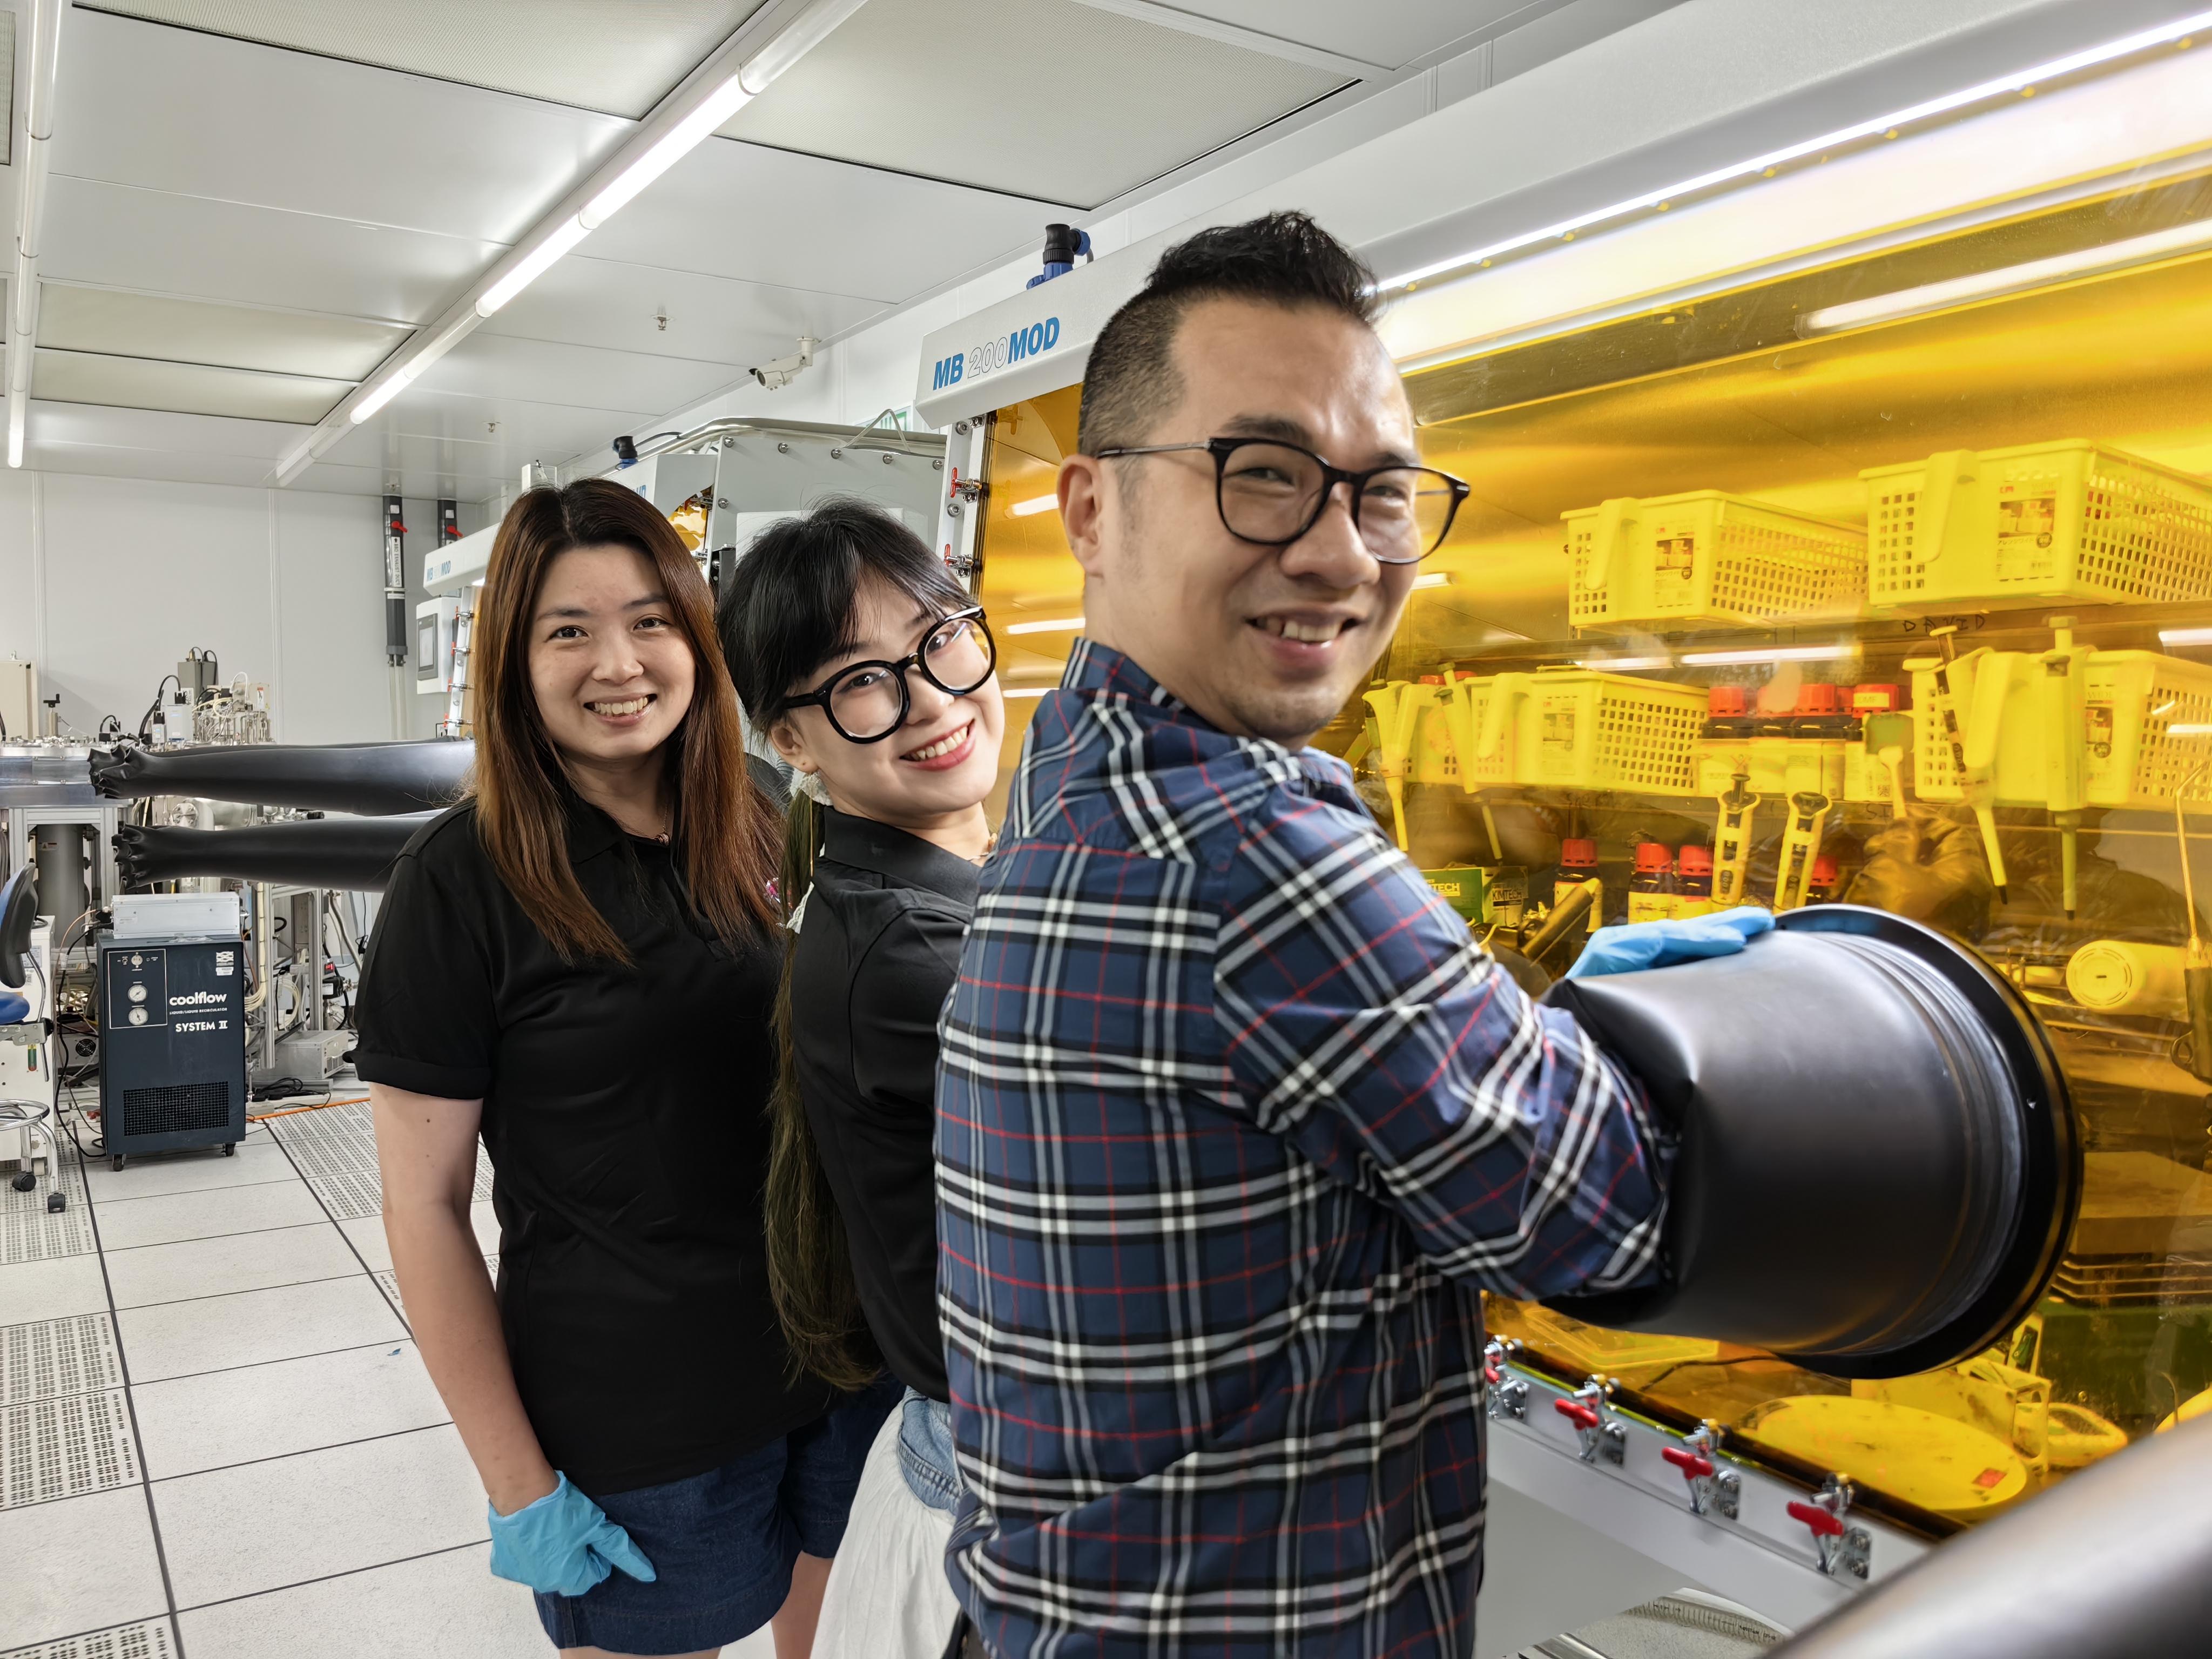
x=871, y=669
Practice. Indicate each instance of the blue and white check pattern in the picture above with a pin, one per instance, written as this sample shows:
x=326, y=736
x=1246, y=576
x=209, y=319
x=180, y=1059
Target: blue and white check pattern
x=1233, y=1118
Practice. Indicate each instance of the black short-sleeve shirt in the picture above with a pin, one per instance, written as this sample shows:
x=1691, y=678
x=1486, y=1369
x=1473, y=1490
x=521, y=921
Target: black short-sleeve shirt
x=878, y=948
x=624, y=1111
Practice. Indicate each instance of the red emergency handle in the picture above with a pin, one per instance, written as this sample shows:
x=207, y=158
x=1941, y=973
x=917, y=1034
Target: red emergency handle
x=1582, y=1416
x=1694, y=1467
x=1824, y=1525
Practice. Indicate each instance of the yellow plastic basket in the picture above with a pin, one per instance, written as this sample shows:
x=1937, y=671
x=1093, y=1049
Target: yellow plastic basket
x=2042, y=522
x=1709, y=559
x=2146, y=726
x=1576, y=728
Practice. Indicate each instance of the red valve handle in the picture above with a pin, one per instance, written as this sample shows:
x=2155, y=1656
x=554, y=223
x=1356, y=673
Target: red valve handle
x=1691, y=1465
x=1824, y=1525
x=1492, y=1375
x=1582, y=1416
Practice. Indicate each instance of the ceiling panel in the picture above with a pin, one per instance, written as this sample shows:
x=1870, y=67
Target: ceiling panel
x=1391, y=35
x=91, y=426
x=241, y=123
x=1072, y=104
x=599, y=302
x=769, y=215
x=128, y=325
x=621, y=57
x=430, y=434
x=106, y=461
x=84, y=377
x=112, y=237
x=585, y=377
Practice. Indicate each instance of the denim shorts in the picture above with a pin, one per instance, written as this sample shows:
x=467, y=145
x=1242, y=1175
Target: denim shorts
x=925, y=1450
x=723, y=1542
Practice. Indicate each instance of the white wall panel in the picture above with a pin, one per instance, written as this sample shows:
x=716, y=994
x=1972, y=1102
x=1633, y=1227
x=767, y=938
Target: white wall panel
x=19, y=571
x=333, y=681
x=115, y=578
x=136, y=572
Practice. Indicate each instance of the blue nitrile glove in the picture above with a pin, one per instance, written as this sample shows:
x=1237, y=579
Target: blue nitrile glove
x=562, y=1544
x=15, y=1008
x=1661, y=943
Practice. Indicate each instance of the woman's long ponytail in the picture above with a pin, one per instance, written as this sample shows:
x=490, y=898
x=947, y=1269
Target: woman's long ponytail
x=810, y=1263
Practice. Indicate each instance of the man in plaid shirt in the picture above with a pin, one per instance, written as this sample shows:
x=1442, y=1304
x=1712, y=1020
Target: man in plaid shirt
x=1234, y=1117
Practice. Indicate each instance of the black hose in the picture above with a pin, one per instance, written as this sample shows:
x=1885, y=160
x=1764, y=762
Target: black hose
x=371, y=779
x=355, y=854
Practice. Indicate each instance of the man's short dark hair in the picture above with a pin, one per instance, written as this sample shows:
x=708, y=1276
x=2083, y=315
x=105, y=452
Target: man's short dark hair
x=1284, y=259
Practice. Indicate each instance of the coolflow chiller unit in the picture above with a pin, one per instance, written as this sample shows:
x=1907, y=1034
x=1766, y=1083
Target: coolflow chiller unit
x=172, y=992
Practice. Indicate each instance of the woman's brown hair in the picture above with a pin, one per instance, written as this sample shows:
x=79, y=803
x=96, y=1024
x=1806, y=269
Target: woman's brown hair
x=725, y=835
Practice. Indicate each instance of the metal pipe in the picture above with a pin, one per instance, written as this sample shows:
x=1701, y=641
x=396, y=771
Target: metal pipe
x=266, y=955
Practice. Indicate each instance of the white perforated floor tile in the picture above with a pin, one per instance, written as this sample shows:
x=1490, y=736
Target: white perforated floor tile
x=51, y=1357
x=148, y=1639
x=64, y=1448
x=336, y=1151
x=30, y=1232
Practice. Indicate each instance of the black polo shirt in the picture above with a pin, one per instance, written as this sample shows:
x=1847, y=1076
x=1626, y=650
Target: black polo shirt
x=878, y=948
x=624, y=1114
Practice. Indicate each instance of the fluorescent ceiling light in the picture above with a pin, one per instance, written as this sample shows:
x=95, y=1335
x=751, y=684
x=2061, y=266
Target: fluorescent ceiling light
x=2189, y=731
x=678, y=142
x=2184, y=636
x=2008, y=279
x=1879, y=126
x=1034, y=504
x=533, y=264
x=1057, y=625
x=1027, y=690
x=384, y=392
x=1432, y=578
x=1769, y=653
x=1626, y=665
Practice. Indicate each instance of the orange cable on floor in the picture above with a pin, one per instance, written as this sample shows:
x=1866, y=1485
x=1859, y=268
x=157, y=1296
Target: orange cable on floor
x=294, y=1111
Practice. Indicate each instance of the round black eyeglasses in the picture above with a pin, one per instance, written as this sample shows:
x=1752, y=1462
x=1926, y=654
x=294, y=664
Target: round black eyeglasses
x=867, y=702
x=1270, y=494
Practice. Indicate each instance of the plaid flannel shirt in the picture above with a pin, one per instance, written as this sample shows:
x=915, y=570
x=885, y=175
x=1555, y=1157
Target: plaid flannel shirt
x=1233, y=1118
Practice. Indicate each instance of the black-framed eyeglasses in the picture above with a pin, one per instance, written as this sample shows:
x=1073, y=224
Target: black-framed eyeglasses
x=1270, y=494
x=867, y=702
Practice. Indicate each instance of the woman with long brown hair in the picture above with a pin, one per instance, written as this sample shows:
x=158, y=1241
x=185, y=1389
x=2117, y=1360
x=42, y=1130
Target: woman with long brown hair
x=578, y=963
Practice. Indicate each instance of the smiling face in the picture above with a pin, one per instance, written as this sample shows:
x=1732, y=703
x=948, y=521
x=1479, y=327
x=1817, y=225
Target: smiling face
x=612, y=671
x=938, y=767
x=1262, y=642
